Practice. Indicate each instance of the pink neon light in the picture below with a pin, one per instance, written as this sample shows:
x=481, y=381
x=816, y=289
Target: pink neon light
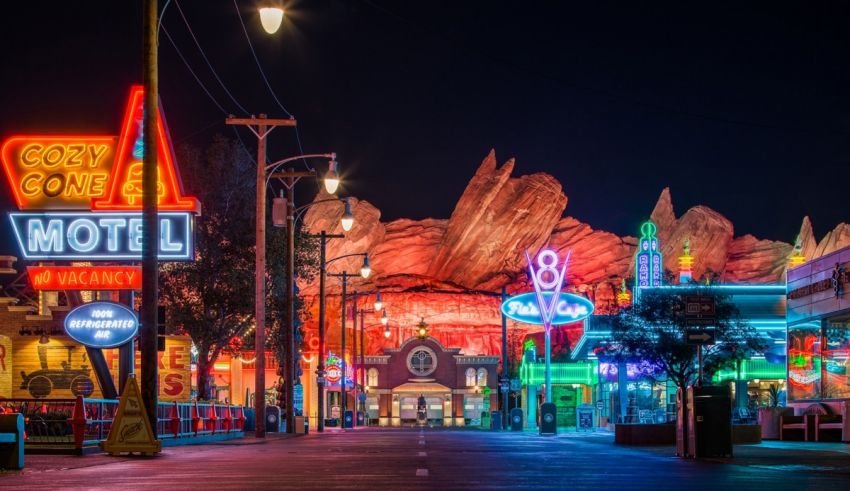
x=547, y=311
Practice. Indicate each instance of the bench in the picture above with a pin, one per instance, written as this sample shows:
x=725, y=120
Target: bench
x=12, y=441
x=805, y=422
x=840, y=422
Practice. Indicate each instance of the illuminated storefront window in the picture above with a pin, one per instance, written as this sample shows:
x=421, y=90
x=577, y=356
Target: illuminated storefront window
x=835, y=353
x=804, y=361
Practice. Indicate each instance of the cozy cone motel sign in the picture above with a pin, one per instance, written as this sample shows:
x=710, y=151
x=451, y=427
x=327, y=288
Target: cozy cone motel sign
x=80, y=199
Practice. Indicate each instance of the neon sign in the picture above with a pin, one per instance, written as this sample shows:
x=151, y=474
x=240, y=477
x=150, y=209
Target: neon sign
x=99, y=236
x=54, y=278
x=569, y=308
x=648, y=263
x=333, y=371
x=57, y=172
x=86, y=180
x=101, y=324
x=547, y=305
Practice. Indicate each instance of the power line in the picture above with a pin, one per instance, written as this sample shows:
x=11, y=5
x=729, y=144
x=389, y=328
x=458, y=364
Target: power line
x=188, y=67
x=204, y=56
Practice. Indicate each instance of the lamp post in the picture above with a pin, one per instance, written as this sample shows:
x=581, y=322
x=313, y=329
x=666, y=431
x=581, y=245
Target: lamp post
x=378, y=308
x=365, y=270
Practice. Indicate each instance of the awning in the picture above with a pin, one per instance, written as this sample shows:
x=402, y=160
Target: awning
x=421, y=387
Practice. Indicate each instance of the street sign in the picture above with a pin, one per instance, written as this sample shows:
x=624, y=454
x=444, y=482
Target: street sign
x=516, y=384
x=699, y=306
x=700, y=336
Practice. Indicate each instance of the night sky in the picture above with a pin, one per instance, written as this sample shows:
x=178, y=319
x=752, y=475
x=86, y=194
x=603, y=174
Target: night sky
x=742, y=106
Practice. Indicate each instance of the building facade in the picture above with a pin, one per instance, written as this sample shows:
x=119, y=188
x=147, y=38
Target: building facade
x=457, y=388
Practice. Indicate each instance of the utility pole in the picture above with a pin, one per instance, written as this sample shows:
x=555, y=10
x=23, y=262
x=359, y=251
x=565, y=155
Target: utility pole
x=354, y=356
x=505, y=382
x=320, y=368
x=342, y=403
x=150, y=219
x=261, y=127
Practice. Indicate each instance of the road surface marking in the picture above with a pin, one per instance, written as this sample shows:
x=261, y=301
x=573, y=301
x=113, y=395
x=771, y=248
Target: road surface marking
x=421, y=472
x=423, y=454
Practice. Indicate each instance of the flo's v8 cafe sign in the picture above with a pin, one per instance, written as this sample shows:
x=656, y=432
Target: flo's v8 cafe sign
x=80, y=197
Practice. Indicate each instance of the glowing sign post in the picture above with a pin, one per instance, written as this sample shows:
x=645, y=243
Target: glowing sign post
x=648, y=263
x=547, y=305
x=101, y=324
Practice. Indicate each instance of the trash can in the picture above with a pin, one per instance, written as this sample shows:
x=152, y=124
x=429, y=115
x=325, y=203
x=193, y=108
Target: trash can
x=495, y=420
x=272, y=419
x=348, y=419
x=300, y=425
x=249, y=425
x=361, y=418
x=548, y=419
x=709, y=421
x=516, y=419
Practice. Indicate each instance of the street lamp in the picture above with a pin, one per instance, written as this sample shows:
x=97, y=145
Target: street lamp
x=331, y=178
x=347, y=217
x=345, y=275
x=384, y=321
x=365, y=269
x=378, y=302
x=271, y=18
x=387, y=332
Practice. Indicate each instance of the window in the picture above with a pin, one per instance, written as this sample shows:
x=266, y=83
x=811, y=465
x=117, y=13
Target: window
x=421, y=361
x=836, y=353
x=372, y=377
x=470, y=377
x=482, y=377
x=804, y=361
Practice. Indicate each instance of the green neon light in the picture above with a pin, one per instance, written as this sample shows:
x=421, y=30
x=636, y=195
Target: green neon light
x=752, y=369
x=562, y=373
x=649, y=265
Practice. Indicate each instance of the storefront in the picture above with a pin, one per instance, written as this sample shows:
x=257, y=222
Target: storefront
x=819, y=331
x=421, y=376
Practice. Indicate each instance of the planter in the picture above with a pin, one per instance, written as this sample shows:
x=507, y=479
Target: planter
x=769, y=421
x=645, y=434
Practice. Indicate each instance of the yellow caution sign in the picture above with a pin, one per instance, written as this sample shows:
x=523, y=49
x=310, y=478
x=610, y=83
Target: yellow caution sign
x=131, y=430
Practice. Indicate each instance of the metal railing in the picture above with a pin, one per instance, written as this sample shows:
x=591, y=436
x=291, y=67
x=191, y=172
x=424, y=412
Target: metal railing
x=84, y=422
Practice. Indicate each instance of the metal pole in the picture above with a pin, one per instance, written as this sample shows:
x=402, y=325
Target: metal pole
x=150, y=224
x=354, y=355
x=505, y=374
x=320, y=369
x=260, y=290
x=362, y=364
x=699, y=361
x=289, y=333
x=548, y=378
x=342, y=356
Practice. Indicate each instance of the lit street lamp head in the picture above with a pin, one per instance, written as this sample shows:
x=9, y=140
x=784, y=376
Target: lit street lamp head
x=365, y=270
x=331, y=178
x=271, y=18
x=384, y=319
x=379, y=304
x=387, y=332
x=347, y=217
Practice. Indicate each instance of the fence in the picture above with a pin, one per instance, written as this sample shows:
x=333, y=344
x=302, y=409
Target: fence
x=81, y=422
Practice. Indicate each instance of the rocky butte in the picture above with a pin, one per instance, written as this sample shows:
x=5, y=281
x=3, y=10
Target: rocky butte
x=450, y=272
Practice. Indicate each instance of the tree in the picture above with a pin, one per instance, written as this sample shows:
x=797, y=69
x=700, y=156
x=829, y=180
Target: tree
x=653, y=330
x=211, y=299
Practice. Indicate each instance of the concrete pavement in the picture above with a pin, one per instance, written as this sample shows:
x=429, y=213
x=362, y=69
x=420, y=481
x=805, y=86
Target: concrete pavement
x=414, y=459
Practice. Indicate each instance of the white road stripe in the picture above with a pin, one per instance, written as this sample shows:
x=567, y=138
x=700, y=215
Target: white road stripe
x=421, y=472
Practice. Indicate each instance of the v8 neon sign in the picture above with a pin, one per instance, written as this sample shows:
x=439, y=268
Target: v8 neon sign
x=547, y=279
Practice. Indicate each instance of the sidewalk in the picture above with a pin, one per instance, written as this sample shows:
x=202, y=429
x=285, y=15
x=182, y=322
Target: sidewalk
x=57, y=462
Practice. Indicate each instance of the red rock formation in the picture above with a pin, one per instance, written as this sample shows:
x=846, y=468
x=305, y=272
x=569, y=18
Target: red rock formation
x=496, y=220
x=835, y=239
x=450, y=271
x=756, y=261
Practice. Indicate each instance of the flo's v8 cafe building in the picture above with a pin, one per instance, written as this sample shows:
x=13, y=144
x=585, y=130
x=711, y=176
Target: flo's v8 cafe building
x=78, y=226
x=819, y=332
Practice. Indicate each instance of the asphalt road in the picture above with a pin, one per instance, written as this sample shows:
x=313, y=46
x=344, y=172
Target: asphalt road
x=415, y=459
